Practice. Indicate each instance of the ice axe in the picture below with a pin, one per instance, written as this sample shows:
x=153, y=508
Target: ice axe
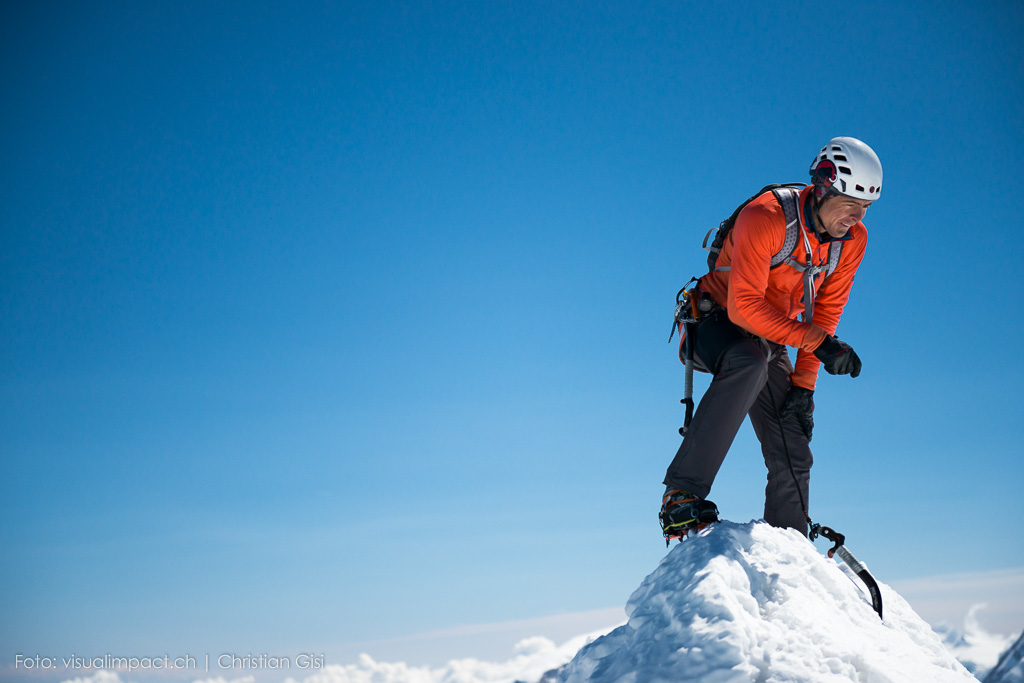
x=685, y=321
x=851, y=561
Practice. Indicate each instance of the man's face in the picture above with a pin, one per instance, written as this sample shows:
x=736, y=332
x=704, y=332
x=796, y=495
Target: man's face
x=840, y=213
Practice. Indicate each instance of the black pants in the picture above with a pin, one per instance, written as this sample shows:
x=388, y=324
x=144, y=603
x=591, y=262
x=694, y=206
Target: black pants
x=751, y=378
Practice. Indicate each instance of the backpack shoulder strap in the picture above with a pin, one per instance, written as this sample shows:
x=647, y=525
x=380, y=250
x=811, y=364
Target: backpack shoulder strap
x=835, y=250
x=787, y=195
x=788, y=198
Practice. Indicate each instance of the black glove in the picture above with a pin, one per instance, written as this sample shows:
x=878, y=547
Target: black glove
x=800, y=404
x=838, y=357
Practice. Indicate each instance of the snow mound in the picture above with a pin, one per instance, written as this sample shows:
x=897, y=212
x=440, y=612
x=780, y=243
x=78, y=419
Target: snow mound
x=749, y=602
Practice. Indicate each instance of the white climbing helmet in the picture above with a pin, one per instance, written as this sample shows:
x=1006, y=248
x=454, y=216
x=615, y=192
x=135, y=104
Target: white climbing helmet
x=849, y=167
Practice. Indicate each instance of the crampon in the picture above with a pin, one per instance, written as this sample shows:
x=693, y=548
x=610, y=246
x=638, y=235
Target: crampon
x=683, y=512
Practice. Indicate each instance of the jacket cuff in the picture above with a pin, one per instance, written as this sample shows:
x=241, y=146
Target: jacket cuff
x=805, y=378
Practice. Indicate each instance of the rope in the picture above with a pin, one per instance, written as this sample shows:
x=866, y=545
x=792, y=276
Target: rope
x=789, y=459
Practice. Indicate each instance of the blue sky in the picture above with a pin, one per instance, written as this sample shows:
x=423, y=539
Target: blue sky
x=344, y=322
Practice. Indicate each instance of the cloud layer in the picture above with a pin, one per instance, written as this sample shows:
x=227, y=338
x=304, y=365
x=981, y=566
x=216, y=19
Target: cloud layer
x=533, y=658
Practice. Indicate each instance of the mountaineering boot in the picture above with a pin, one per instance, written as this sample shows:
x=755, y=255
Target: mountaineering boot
x=683, y=512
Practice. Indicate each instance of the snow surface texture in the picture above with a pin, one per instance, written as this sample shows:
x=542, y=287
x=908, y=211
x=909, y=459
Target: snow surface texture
x=749, y=602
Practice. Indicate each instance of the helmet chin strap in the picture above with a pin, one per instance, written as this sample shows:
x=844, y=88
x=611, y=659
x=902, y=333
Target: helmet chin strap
x=816, y=224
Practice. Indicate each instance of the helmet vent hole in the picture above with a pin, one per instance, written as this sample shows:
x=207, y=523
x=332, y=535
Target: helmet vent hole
x=860, y=188
x=840, y=157
x=845, y=169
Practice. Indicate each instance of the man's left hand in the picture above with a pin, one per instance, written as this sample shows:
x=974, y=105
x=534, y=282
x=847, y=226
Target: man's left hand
x=800, y=404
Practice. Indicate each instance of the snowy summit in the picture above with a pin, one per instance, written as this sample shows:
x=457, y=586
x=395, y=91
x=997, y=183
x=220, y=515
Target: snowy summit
x=750, y=602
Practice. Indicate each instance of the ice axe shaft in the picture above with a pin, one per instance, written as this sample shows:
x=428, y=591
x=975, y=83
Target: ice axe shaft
x=685, y=322
x=688, y=379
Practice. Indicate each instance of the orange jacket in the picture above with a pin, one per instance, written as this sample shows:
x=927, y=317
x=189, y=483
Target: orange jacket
x=766, y=301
